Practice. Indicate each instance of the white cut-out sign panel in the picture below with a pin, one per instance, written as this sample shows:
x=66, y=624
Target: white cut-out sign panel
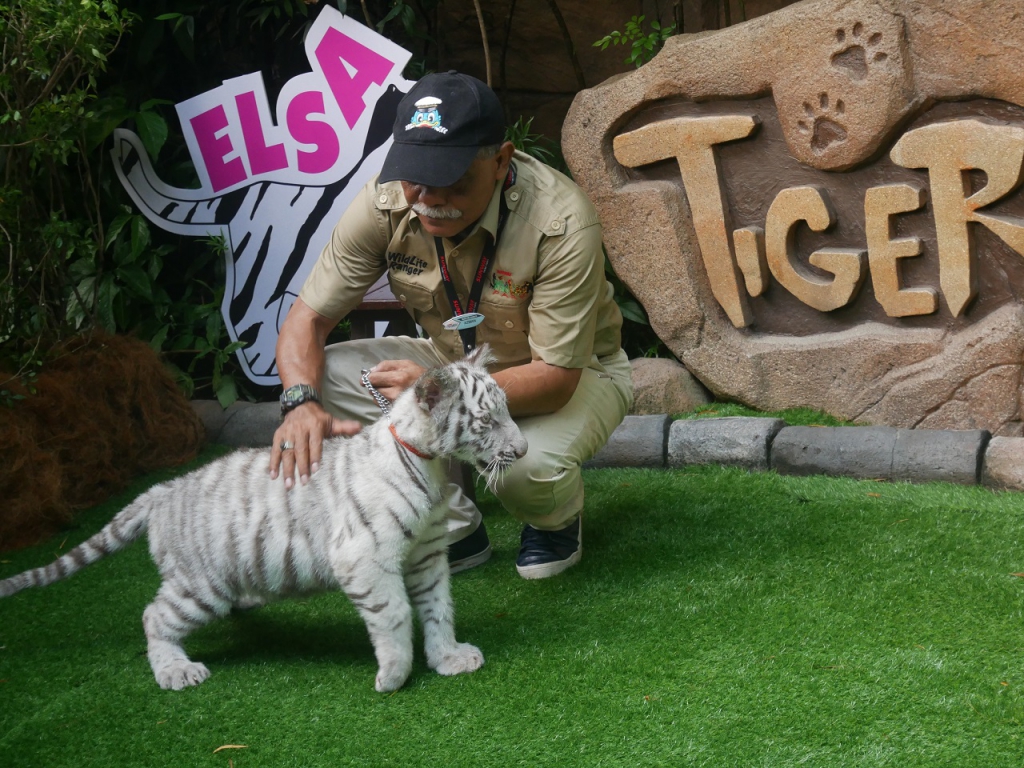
x=274, y=186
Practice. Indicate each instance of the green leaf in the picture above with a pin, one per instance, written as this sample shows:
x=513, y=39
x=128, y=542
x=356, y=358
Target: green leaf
x=81, y=269
x=135, y=277
x=105, y=303
x=157, y=342
x=226, y=391
x=140, y=236
x=213, y=328
x=153, y=132
x=116, y=226
x=395, y=10
x=631, y=310
x=76, y=313
x=156, y=263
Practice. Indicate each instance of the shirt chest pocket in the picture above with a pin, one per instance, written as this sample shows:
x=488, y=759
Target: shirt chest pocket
x=507, y=326
x=418, y=302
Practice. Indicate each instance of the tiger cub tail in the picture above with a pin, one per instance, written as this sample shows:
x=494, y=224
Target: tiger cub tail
x=128, y=525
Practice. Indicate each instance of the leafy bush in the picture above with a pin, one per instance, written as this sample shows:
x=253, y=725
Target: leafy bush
x=642, y=45
x=77, y=257
x=54, y=52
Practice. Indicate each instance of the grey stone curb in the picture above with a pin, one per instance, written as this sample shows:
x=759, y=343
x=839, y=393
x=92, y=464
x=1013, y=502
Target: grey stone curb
x=242, y=425
x=757, y=444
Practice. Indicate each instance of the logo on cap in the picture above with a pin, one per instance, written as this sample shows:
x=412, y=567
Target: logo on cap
x=426, y=115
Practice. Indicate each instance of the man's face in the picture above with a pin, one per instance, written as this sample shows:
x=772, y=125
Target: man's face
x=447, y=211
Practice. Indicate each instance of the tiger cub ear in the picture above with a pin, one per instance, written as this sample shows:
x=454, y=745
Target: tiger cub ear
x=481, y=357
x=430, y=388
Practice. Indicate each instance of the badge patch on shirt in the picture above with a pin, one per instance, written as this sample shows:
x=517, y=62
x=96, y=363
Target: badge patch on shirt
x=403, y=262
x=427, y=115
x=502, y=284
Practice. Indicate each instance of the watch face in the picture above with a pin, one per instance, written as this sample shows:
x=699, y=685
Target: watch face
x=295, y=395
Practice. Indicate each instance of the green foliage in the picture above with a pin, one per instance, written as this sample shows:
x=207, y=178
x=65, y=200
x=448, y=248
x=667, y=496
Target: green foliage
x=50, y=206
x=76, y=258
x=534, y=144
x=642, y=44
x=129, y=292
x=794, y=417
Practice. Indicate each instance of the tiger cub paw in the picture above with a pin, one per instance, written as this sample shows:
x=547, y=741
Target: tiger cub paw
x=460, y=659
x=391, y=677
x=181, y=674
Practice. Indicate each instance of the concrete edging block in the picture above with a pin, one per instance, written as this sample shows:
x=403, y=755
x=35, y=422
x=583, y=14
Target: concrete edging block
x=946, y=455
x=865, y=453
x=250, y=425
x=967, y=457
x=735, y=441
x=639, y=441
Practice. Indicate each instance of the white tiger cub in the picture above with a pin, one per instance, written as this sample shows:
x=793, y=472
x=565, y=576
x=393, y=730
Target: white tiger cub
x=369, y=521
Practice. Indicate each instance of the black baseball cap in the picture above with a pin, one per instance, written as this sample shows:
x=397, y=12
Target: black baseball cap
x=440, y=126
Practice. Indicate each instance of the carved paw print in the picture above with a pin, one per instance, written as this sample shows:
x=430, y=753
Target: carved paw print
x=821, y=124
x=856, y=54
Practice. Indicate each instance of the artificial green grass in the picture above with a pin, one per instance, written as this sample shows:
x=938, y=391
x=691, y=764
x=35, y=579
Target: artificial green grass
x=794, y=417
x=718, y=618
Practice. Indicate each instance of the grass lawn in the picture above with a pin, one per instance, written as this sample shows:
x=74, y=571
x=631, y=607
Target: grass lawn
x=718, y=618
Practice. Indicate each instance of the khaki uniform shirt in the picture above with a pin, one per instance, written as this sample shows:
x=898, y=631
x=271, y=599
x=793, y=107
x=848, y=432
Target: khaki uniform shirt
x=545, y=298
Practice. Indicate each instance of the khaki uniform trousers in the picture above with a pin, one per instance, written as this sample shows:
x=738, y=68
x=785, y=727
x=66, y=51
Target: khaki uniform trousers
x=545, y=487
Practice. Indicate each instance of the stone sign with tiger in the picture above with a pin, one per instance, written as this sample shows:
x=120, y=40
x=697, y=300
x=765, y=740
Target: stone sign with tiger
x=822, y=207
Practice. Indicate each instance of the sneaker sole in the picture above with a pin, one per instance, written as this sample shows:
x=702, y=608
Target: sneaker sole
x=546, y=570
x=472, y=561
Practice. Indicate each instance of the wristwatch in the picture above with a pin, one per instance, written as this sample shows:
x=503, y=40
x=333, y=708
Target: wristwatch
x=297, y=395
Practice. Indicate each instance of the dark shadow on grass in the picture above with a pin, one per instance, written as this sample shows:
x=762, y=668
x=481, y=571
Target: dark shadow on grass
x=310, y=629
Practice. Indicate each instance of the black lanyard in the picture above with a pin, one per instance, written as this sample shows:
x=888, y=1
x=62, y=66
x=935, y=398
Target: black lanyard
x=486, y=257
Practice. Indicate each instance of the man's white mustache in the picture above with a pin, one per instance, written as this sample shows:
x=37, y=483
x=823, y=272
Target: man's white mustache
x=432, y=212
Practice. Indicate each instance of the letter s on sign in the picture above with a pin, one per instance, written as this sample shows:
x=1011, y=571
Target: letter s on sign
x=318, y=133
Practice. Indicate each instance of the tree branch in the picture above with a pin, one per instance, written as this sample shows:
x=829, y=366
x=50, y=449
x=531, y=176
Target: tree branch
x=483, y=36
x=581, y=83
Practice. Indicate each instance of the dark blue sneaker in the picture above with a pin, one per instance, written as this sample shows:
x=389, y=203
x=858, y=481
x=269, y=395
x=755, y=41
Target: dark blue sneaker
x=469, y=552
x=548, y=553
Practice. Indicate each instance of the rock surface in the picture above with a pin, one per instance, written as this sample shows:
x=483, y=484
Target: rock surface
x=1004, y=463
x=661, y=385
x=816, y=281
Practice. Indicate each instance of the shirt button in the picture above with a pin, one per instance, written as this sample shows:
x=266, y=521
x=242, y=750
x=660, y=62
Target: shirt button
x=509, y=324
x=454, y=253
x=556, y=225
x=383, y=198
x=513, y=196
x=401, y=298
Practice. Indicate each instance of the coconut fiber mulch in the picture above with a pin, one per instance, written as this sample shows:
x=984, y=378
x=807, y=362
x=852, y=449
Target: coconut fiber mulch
x=101, y=412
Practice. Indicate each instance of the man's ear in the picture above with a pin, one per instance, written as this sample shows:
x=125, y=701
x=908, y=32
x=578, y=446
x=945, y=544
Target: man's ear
x=504, y=158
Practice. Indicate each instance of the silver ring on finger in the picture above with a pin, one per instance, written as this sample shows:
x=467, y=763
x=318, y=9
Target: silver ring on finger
x=287, y=445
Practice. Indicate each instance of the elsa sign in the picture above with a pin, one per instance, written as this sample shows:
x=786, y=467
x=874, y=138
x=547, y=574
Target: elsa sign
x=275, y=183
